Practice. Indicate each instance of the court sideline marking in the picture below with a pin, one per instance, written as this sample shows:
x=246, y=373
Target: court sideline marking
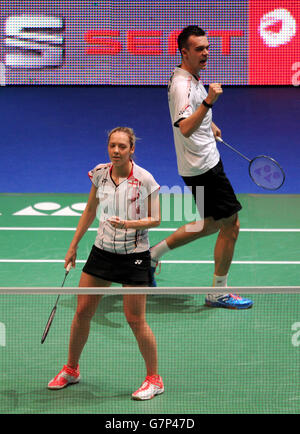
x=7, y=228
x=153, y=229
x=82, y=261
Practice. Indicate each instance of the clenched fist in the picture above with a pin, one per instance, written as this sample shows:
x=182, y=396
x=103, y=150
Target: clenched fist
x=214, y=91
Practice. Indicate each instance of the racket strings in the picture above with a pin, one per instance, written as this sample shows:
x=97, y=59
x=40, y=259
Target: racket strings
x=266, y=172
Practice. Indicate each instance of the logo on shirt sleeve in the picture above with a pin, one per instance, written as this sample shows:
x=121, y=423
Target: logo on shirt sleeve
x=183, y=110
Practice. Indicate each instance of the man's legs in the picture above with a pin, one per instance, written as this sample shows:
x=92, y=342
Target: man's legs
x=184, y=235
x=228, y=233
x=224, y=248
x=225, y=244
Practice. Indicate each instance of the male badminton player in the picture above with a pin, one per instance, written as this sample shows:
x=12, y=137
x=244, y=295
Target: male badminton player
x=128, y=199
x=199, y=164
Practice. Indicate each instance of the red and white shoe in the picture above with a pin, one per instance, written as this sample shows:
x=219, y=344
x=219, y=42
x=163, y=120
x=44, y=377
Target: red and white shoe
x=153, y=385
x=65, y=377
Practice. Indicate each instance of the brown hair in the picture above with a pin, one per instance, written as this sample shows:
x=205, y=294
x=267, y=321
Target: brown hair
x=129, y=131
x=188, y=31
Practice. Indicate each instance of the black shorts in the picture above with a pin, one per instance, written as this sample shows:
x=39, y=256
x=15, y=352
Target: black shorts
x=131, y=269
x=219, y=198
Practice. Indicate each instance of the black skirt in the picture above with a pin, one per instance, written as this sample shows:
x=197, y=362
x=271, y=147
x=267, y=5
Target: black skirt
x=130, y=269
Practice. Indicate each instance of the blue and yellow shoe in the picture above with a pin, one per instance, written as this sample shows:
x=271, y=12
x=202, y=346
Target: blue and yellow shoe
x=228, y=301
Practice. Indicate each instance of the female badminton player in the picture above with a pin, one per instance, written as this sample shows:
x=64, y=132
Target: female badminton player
x=125, y=198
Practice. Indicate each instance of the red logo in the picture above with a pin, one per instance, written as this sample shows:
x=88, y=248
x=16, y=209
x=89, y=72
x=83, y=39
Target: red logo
x=146, y=42
x=274, y=41
x=277, y=27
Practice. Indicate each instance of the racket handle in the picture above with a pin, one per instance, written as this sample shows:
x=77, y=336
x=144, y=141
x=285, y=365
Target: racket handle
x=69, y=266
x=233, y=149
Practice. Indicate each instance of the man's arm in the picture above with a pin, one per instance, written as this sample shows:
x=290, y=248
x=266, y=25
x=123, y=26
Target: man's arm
x=189, y=125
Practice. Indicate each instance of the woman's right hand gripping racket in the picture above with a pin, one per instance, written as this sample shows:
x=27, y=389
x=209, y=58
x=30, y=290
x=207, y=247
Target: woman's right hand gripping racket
x=49, y=322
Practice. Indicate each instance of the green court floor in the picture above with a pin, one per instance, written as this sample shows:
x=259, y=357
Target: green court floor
x=211, y=360
x=267, y=252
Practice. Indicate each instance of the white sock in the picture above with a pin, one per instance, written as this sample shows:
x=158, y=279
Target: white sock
x=157, y=251
x=217, y=282
x=220, y=280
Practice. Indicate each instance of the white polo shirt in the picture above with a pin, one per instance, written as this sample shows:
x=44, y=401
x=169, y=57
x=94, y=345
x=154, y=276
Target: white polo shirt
x=197, y=153
x=128, y=201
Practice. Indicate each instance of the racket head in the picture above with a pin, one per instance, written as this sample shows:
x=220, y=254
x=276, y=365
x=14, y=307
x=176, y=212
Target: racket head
x=266, y=172
x=48, y=325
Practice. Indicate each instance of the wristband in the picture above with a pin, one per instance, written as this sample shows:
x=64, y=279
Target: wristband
x=206, y=104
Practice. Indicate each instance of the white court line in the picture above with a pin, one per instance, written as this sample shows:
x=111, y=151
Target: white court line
x=154, y=229
x=82, y=261
x=151, y=230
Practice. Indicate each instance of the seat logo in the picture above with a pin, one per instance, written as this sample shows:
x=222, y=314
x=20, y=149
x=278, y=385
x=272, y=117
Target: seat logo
x=34, y=42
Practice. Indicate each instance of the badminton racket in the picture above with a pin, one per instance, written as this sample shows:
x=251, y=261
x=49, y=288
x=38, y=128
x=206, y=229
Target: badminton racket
x=52, y=314
x=263, y=170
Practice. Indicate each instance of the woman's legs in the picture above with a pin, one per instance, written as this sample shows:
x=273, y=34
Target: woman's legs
x=86, y=308
x=135, y=312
